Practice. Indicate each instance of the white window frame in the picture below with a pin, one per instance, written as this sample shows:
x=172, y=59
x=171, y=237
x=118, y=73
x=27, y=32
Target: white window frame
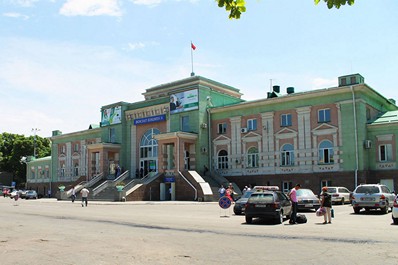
x=222, y=128
x=222, y=160
x=385, y=153
x=287, y=156
x=286, y=120
x=325, y=152
x=252, y=157
x=322, y=115
x=252, y=124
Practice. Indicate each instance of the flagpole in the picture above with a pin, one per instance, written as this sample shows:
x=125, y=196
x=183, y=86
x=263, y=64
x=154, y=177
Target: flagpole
x=192, y=73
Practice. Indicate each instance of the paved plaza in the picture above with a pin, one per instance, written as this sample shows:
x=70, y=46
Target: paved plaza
x=47, y=231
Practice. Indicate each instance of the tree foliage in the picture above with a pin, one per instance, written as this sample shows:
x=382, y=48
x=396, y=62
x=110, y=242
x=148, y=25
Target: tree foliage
x=237, y=7
x=13, y=147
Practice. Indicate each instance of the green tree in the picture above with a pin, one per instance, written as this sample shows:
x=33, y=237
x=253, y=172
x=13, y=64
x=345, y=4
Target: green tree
x=237, y=7
x=13, y=147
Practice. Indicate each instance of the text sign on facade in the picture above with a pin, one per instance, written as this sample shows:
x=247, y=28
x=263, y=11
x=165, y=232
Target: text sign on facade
x=151, y=119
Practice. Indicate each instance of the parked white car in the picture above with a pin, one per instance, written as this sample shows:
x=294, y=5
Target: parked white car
x=395, y=211
x=340, y=195
x=372, y=197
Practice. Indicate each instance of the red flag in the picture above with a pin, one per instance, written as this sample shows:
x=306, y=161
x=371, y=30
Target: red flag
x=193, y=46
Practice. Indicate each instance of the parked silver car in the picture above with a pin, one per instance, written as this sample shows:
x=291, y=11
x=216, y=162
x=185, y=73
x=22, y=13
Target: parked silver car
x=395, y=211
x=372, y=196
x=307, y=200
x=340, y=195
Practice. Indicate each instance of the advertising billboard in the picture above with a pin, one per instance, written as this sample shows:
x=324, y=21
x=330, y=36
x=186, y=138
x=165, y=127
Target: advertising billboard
x=111, y=116
x=184, y=101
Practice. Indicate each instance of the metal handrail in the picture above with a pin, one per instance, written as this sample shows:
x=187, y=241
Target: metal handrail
x=94, y=180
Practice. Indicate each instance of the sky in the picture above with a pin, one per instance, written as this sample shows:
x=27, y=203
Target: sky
x=62, y=60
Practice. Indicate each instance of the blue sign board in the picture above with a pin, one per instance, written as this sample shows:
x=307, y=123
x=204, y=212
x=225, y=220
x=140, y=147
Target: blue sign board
x=13, y=184
x=157, y=118
x=169, y=179
x=224, y=202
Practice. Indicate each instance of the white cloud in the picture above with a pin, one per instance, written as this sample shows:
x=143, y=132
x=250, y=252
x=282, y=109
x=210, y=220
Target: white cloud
x=147, y=2
x=62, y=86
x=16, y=15
x=91, y=8
x=135, y=46
x=319, y=82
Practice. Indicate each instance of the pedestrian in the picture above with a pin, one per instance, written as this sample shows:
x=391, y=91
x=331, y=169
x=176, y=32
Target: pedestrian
x=84, y=193
x=293, y=197
x=246, y=188
x=230, y=192
x=326, y=203
x=73, y=197
x=221, y=191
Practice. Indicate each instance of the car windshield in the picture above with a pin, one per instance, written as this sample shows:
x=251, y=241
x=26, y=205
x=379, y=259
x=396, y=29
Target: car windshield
x=304, y=192
x=262, y=197
x=367, y=189
x=332, y=190
x=247, y=194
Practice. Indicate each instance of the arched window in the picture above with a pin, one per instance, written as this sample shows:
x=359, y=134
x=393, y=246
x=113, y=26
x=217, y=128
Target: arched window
x=149, y=145
x=76, y=170
x=287, y=155
x=326, y=152
x=252, y=157
x=222, y=159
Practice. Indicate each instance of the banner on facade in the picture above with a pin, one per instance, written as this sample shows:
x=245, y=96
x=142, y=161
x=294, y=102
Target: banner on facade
x=111, y=116
x=184, y=101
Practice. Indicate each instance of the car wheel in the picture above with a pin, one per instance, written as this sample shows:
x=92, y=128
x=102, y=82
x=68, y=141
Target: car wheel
x=385, y=209
x=249, y=220
x=356, y=210
x=395, y=220
x=279, y=218
x=237, y=212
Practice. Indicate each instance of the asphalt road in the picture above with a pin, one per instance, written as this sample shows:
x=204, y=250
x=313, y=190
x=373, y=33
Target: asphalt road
x=47, y=231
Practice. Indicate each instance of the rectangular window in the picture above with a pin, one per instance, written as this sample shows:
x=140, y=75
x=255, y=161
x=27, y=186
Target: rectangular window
x=353, y=80
x=326, y=183
x=76, y=148
x=324, y=115
x=287, y=186
x=112, y=135
x=287, y=158
x=185, y=124
x=252, y=124
x=326, y=156
x=222, y=128
x=286, y=120
x=385, y=152
x=343, y=81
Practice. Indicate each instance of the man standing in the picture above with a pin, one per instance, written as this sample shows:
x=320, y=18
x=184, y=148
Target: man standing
x=73, y=197
x=293, y=198
x=84, y=193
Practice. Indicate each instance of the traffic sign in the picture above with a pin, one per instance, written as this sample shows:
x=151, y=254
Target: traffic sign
x=224, y=202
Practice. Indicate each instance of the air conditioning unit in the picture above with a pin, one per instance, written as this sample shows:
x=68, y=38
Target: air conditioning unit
x=243, y=130
x=203, y=125
x=368, y=144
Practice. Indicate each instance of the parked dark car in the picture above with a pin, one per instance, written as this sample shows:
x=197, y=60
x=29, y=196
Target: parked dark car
x=31, y=194
x=307, y=200
x=270, y=205
x=239, y=207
